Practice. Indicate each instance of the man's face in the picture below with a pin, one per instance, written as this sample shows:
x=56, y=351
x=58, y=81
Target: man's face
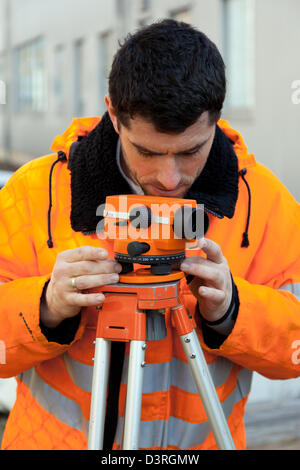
x=164, y=164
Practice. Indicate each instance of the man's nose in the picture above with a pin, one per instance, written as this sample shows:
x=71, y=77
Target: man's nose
x=168, y=175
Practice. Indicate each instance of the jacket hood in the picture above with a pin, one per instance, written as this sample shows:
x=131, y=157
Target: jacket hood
x=80, y=127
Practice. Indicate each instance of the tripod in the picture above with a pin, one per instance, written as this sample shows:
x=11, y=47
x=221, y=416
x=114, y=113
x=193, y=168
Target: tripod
x=131, y=312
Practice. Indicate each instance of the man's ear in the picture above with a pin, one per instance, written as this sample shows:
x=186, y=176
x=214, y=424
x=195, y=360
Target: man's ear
x=111, y=113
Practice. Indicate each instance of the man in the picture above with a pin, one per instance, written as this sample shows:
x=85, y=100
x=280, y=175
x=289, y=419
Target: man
x=162, y=135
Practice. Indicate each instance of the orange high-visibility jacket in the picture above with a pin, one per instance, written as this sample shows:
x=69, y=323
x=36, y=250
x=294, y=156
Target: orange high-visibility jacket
x=54, y=380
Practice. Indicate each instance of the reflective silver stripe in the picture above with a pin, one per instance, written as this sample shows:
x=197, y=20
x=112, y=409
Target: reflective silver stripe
x=180, y=433
x=159, y=433
x=294, y=288
x=157, y=377
x=64, y=409
x=81, y=374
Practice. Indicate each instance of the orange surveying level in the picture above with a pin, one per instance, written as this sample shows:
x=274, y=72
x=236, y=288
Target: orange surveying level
x=150, y=235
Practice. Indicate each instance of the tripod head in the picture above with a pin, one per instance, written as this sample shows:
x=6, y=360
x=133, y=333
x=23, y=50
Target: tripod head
x=151, y=231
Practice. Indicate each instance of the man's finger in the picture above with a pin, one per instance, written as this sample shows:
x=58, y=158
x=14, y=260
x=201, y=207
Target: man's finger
x=212, y=250
x=86, y=300
x=83, y=253
x=93, y=281
x=210, y=293
x=206, y=273
x=80, y=268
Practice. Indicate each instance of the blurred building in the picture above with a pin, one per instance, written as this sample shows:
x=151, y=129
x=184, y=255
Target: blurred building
x=55, y=57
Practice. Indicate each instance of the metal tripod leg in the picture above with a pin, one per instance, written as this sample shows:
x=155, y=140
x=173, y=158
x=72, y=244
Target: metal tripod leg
x=207, y=391
x=203, y=380
x=134, y=395
x=99, y=390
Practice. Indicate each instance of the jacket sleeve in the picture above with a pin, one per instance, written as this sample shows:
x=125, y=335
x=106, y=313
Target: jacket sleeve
x=23, y=344
x=266, y=334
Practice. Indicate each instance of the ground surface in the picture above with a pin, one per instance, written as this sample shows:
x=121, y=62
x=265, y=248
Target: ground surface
x=269, y=427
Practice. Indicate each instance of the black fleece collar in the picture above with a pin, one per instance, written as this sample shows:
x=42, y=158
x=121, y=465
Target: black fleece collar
x=95, y=175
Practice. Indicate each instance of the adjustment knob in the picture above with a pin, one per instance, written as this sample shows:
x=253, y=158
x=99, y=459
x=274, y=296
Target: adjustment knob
x=137, y=248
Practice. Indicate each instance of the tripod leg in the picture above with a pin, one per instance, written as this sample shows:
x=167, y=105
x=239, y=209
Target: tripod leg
x=134, y=395
x=207, y=391
x=99, y=392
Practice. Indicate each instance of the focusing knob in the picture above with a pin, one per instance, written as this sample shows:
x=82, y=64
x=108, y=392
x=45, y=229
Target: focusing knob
x=137, y=248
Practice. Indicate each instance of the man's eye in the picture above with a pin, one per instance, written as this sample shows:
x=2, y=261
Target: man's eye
x=144, y=154
x=192, y=154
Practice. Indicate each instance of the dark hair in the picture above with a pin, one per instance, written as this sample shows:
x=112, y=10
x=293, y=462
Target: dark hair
x=168, y=73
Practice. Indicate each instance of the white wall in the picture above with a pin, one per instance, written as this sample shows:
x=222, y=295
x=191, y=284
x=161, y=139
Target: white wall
x=273, y=391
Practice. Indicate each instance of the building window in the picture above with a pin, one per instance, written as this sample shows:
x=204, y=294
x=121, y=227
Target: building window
x=121, y=8
x=59, y=92
x=238, y=53
x=183, y=14
x=30, y=77
x=2, y=83
x=145, y=21
x=145, y=5
x=78, y=78
x=104, y=66
x=144, y=13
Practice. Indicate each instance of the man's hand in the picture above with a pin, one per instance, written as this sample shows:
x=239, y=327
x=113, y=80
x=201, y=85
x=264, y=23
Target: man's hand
x=212, y=285
x=89, y=267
